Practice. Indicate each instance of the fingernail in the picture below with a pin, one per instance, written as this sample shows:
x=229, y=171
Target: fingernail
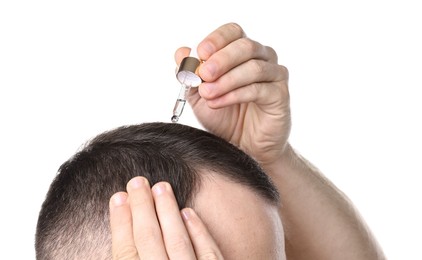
x=118, y=199
x=208, y=70
x=187, y=214
x=160, y=188
x=138, y=182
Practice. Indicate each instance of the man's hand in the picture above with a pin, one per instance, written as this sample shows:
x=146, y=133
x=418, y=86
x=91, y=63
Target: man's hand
x=146, y=224
x=244, y=97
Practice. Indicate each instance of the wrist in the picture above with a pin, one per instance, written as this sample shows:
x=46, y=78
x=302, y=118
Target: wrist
x=288, y=163
x=282, y=163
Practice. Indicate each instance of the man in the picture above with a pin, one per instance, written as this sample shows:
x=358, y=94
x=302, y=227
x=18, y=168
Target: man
x=225, y=186
x=244, y=99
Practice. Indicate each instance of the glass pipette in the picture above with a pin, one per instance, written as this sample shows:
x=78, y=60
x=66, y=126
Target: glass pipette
x=187, y=76
x=180, y=102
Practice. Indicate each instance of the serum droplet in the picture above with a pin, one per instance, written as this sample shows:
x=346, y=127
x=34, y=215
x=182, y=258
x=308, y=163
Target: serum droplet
x=174, y=119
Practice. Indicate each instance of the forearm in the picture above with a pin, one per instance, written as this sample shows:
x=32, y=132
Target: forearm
x=320, y=221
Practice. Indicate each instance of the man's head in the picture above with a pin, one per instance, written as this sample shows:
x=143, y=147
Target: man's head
x=225, y=186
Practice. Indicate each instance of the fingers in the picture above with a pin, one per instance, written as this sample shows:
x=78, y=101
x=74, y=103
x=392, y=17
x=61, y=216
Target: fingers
x=219, y=38
x=233, y=55
x=237, y=69
x=176, y=238
x=180, y=54
x=215, y=41
x=204, y=244
x=228, y=47
x=254, y=81
x=146, y=223
x=123, y=246
x=146, y=228
x=224, y=49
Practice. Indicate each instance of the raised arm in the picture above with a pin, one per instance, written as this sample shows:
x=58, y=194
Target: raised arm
x=245, y=99
x=320, y=221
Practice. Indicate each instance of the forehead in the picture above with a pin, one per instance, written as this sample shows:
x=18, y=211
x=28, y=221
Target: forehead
x=244, y=225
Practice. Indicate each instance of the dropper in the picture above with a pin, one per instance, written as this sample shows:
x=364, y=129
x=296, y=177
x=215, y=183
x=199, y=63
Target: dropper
x=188, y=78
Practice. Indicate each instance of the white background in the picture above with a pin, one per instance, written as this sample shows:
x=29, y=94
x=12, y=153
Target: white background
x=72, y=69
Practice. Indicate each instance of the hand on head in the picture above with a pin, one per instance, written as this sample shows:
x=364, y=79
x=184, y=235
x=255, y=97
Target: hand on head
x=245, y=100
x=146, y=224
x=244, y=97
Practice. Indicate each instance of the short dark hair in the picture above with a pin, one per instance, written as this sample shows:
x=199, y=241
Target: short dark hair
x=74, y=218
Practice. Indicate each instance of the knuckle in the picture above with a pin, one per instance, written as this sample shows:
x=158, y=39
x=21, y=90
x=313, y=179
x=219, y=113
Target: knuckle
x=208, y=256
x=236, y=28
x=283, y=80
x=272, y=53
x=258, y=66
x=126, y=253
x=178, y=245
x=147, y=237
x=284, y=72
x=249, y=45
x=199, y=234
x=256, y=91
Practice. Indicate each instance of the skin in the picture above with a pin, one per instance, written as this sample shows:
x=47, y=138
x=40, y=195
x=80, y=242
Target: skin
x=160, y=230
x=245, y=100
x=163, y=232
x=252, y=231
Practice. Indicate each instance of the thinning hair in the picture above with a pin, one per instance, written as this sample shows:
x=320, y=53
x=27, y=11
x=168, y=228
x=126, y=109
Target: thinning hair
x=73, y=222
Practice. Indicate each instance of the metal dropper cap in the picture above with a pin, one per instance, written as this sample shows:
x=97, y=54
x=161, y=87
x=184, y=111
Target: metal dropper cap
x=188, y=77
x=187, y=72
